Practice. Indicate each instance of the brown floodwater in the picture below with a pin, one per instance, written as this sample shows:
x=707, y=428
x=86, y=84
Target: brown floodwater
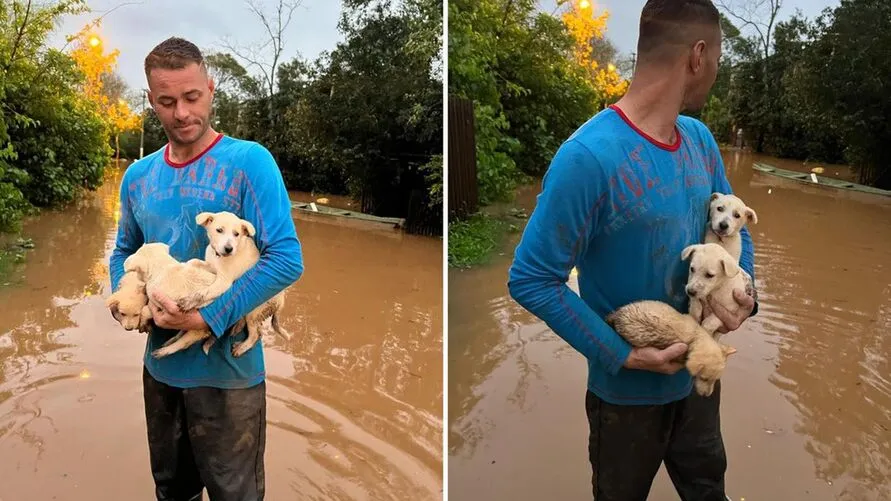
x=806, y=410
x=354, y=399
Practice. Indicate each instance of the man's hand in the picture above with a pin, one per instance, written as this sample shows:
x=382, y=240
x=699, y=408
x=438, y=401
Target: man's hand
x=656, y=360
x=732, y=320
x=167, y=315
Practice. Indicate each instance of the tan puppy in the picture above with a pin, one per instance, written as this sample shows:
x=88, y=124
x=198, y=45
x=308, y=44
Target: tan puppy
x=728, y=214
x=657, y=324
x=129, y=304
x=191, y=285
x=232, y=251
x=713, y=272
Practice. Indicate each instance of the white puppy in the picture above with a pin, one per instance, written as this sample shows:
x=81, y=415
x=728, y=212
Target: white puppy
x=728, y=214
x=713, y=272
x=232, y=252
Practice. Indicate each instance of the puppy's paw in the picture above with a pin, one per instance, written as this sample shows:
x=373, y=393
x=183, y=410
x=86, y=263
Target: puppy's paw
x=206, y=346
x=164, y=351
x=239, y=349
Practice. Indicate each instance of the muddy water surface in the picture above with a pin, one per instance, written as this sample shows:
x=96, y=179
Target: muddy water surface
x=354, y=399
x=806, y=411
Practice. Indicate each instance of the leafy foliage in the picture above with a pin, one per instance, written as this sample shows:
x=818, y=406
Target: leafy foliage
x=816, y=92
x=534, y=78
x=52, y=138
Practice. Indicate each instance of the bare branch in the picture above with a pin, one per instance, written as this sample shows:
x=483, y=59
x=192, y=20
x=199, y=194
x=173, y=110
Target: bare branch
x=750, y=14
x=19, y=36
x=275, y=29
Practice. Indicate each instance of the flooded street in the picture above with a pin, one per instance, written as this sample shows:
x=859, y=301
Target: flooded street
x=354, y=399
x=806, y=409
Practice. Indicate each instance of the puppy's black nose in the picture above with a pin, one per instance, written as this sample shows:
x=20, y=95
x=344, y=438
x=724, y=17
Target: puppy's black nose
x=723, y=225
x=228, y=249
x=691, y=293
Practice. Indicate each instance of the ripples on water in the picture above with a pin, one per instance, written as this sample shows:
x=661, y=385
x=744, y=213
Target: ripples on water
x=807, y=403
x=354, y=399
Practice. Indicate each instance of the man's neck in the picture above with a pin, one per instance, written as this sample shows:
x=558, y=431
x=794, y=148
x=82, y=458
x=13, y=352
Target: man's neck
x=653, y=105
x=181, y=153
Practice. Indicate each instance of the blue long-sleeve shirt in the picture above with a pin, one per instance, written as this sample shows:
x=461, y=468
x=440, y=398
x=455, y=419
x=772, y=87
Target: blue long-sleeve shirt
x=620, y=207
x=159, y=201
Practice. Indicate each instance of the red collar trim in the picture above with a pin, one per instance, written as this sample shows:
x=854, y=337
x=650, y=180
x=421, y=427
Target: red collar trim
x=660, y=144
x=180, y=165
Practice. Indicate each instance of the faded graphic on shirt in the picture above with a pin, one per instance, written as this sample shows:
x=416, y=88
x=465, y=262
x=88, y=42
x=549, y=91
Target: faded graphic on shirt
x=166, y=201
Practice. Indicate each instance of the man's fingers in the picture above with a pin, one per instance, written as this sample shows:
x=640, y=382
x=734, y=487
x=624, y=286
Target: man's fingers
x=673, y=351
x=742, y=298
x=165, y=302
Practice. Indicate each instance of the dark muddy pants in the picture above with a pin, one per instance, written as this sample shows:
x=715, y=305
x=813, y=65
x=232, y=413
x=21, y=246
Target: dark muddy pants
x=206, y=438
x=628, y=444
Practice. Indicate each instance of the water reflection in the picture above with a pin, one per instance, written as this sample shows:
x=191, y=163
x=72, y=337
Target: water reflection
x=354, y=398
x=807, y=401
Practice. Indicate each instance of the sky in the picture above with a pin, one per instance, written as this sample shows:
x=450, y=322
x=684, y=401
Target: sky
x=625, y=16
x=137, y=26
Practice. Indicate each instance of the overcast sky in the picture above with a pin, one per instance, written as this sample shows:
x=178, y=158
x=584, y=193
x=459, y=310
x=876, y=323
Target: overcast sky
x=625, y=16
x=137, y=26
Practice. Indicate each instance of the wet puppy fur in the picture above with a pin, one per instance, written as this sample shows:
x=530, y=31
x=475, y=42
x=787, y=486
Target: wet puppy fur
x=713, y=272
x=129, y=304
x=232, y=252
x=728, y=214
x=191, y=285
x=657, y=324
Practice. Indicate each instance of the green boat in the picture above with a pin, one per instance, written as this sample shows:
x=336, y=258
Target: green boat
x=808, y=177
x=324, y=210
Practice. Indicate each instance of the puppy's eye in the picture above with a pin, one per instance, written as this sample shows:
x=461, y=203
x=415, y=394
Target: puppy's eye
x=235, y=234
x=220, y=229
x=709, y=275
x=720, y=208
x=736, y=215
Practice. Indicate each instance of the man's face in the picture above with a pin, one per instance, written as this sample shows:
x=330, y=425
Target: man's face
x=703, y=70
x=182, y=100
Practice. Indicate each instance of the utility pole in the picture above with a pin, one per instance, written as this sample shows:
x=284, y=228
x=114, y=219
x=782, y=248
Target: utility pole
x=142, y=126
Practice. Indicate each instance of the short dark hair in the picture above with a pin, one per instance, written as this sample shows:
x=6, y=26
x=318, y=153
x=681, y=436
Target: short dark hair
x=666, y=23
x=173, y=54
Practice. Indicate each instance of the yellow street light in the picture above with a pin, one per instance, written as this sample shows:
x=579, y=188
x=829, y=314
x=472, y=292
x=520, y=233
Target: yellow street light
x=94, y=41
x=584, y=4
x=611, y=67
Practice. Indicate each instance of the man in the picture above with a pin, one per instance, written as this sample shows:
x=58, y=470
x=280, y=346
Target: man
x=623, y=196
x=205, y=414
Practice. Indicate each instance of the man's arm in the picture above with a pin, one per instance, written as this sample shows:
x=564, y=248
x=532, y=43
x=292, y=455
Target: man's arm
x=267, y=206
x=558, y=231
x=129, y=237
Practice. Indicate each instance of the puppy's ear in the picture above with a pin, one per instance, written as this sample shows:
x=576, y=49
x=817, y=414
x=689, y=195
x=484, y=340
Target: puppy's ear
x=731, y=269
x=714, y=196
x=248, y=228
x=204, y=219
x=138, y=264
x=113, y=304
x=688, y=251
x=112, y=300
x=751, y=216
x=727, y=350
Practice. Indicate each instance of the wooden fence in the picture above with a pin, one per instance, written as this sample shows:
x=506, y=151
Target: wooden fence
x=463, y=189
